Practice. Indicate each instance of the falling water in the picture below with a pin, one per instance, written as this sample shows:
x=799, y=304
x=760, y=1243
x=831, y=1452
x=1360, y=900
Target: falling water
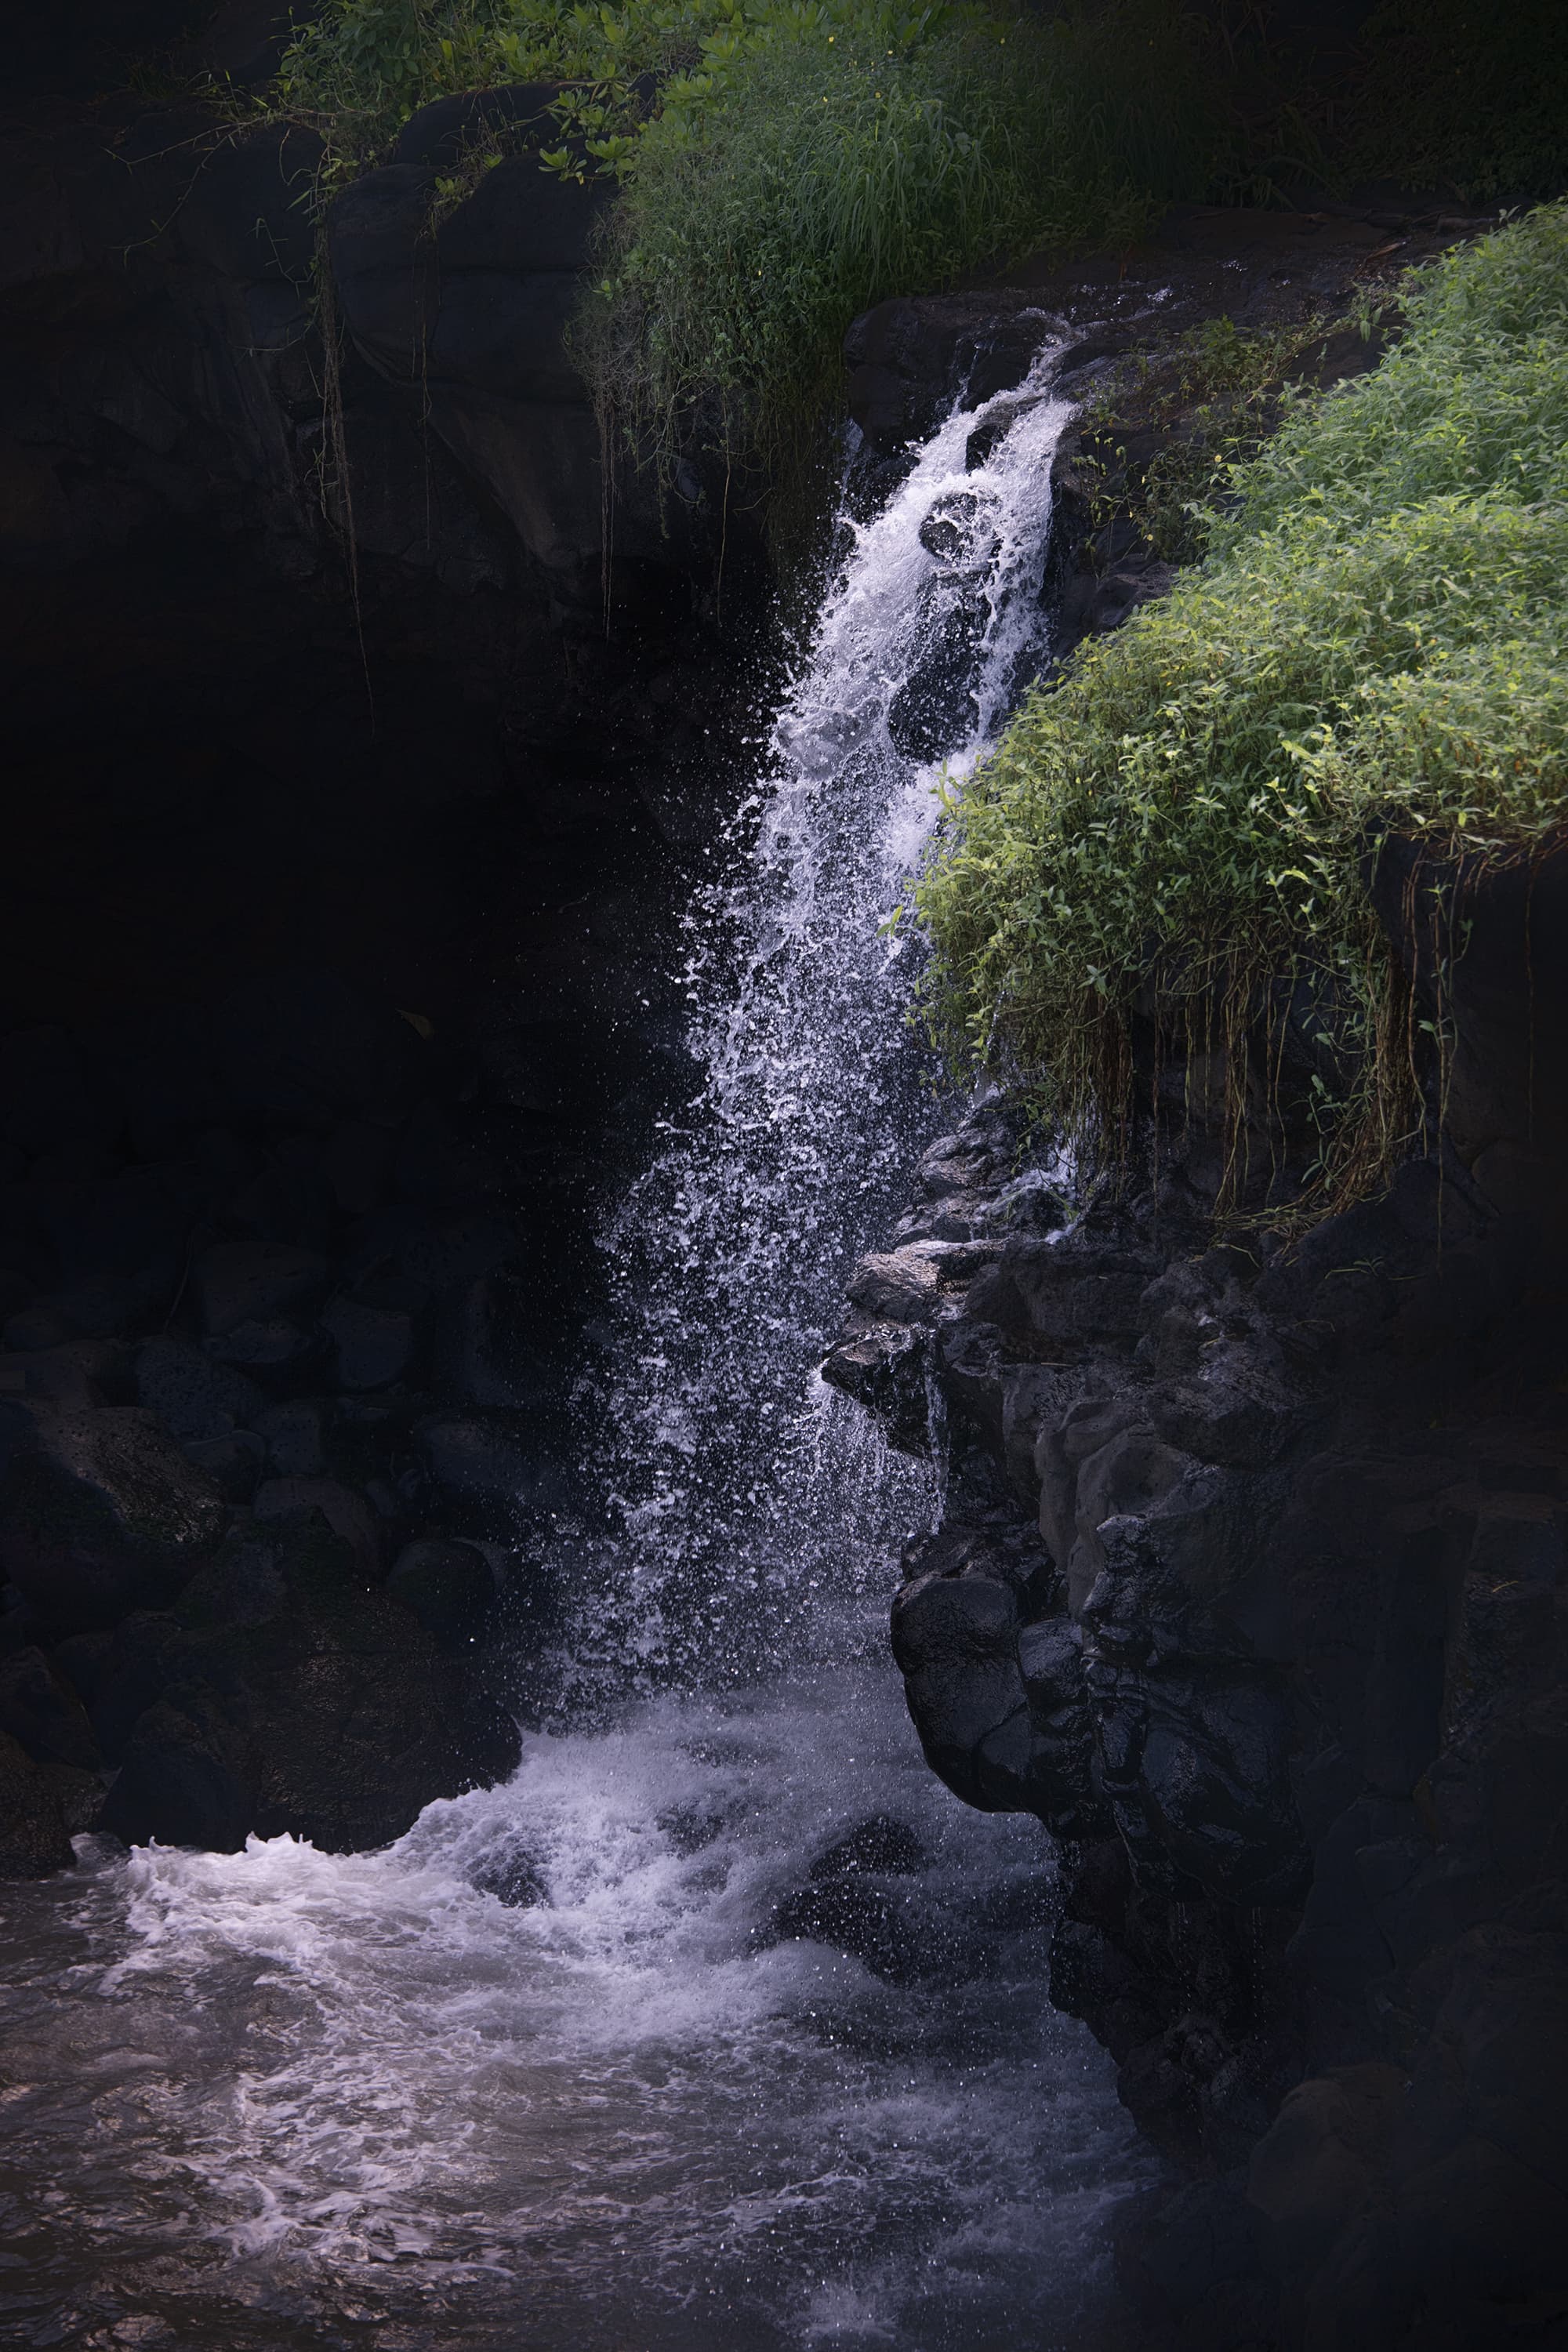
x=577, y=2064
x=755, y=1507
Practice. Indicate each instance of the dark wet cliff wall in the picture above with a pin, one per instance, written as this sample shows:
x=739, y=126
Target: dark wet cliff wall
x=1250, y=1585
x=346, y=833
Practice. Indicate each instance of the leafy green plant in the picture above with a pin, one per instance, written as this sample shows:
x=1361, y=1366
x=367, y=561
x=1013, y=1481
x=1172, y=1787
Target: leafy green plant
x=1179, y=833
x=853, y=155
x=783, y=163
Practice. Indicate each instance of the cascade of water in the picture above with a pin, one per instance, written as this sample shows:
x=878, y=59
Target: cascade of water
x=748, y=1509
x=589, y=2061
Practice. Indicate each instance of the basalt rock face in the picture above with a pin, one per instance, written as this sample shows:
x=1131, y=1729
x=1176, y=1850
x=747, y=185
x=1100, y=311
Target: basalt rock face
x=194, y=348
x=347, y=826
x=1250, y=1585
x=284, y=1692
x=272, y=1291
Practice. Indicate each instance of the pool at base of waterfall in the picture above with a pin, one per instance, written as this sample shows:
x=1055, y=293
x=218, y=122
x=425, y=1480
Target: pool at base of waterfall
x=586, y=2062
x=722, y=2027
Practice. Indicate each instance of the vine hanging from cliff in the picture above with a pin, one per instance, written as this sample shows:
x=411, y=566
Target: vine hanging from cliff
x=782, y=164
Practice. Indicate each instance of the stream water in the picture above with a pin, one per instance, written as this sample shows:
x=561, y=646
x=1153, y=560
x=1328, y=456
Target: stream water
x=566, y=2066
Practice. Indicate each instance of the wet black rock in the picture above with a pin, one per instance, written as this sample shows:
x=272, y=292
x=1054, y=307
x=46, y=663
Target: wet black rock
x=190, y=1394
x=33, y=1835
x=906, y=356
x=286, y=1694
x=38, y=1326
x=296, y=1292
x=294, y=1435
x=297, y=1095
x=491, y=1348
x=474, y=313
x=477, y=1461
x=516, y=1880
x=239, y=1284
x=882, y=1844
x=276, y=1354
x=448, y=1586
x=100, y=1512
x=348, y=1514
x=857, y=1897
x=373, y=1345
x=1251, y=1587
x=234, y=1463
x=41, y=1711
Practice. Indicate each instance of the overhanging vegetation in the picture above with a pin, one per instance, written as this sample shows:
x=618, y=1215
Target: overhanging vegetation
x=1181, y=831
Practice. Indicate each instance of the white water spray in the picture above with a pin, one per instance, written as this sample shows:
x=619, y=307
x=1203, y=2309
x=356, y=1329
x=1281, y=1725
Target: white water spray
x=750, y=1509
x=561, y=2069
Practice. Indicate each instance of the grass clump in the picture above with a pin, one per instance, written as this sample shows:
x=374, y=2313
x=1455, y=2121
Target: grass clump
x=1180, y=833
x=861, y=156
x=782, y=164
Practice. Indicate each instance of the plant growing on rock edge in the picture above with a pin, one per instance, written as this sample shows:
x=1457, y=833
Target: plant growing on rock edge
x=1179, y=832
x=783, y=163
x=843, y=169
x=768, y=193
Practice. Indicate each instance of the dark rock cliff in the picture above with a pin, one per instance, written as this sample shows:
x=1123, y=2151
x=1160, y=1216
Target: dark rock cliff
x=1249, y=1585
x=347, y=831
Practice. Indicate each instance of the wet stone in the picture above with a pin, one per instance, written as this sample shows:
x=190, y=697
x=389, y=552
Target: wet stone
x=194, y=1396
x=100, y=1513
x=515, y=1880
x=42, y=1326
x=234, y=1463
x=243, y=1283
x=294, y=1436
x=448, y=1586
x=43, y=1714
x=275, y=1349
x=348, y=1514
x=33, y=1837
x=374, y=1345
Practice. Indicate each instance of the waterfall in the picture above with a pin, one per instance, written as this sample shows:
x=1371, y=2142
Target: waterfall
x=721, y=2025
x=753, y=1507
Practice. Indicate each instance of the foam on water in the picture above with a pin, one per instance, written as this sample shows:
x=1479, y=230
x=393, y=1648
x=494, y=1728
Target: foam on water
x=549, y=2071
x=624, y=2112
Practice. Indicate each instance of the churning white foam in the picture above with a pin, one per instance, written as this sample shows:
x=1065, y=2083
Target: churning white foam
x=629, y=2101
x=564, y=2067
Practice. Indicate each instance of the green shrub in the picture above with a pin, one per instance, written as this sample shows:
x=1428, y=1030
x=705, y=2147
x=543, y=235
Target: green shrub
x=796, y=161
x=849, y=166
x=1181, y=829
